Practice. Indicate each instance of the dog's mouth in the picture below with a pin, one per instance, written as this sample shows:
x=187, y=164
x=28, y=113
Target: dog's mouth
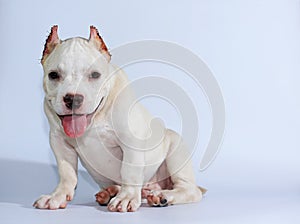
x=75, y=125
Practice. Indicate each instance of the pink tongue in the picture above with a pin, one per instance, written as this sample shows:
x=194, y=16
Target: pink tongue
x=74, y=126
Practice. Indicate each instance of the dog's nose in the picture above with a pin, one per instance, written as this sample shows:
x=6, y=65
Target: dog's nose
x=73, y=101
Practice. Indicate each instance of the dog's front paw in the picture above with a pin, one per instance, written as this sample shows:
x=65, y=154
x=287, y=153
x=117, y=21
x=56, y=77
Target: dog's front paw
x=127, y=200
x=54, y=201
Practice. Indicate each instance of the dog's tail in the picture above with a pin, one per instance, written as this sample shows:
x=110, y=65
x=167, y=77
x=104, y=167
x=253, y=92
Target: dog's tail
x=203, y=190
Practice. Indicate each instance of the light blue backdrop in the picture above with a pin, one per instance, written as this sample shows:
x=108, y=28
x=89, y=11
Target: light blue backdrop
x=252, y=47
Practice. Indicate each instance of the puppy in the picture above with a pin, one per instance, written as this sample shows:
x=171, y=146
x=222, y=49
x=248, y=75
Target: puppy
x=94, y=117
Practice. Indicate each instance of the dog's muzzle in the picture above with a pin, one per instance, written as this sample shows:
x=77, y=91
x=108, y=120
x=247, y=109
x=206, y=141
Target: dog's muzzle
x=74, y=124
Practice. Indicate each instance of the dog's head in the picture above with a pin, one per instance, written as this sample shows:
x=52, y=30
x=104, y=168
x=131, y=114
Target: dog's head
x=74, y=75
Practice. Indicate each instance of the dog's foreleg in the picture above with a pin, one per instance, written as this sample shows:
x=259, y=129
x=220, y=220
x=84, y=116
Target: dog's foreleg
x=67, y=161
x=129, y=197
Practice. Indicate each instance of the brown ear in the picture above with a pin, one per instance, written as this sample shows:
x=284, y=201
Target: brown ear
x=96, y=39
x=51, y=42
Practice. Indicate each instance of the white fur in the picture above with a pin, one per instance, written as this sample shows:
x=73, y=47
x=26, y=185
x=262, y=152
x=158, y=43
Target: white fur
x=117, y=148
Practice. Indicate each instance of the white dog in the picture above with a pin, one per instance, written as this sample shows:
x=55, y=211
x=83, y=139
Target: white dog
x=92, y=117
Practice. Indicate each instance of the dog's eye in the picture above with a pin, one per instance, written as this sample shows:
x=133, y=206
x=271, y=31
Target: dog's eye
x=95, y=75
x=53, y=76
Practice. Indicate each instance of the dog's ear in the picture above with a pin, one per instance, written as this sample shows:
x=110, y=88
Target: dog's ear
x=96, y=39
x=51, y=42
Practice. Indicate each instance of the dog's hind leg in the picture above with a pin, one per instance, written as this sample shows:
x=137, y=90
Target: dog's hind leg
x=179, y=166
x=183, y=192
x=103, y=197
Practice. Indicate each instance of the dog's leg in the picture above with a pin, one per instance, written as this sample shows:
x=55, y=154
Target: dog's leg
x=67, y=160
x=103, y=197
x=180, y=168
x=184, y=191
x=129, y=196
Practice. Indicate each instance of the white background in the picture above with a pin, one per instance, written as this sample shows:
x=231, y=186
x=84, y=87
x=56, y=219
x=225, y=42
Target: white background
x=253, y=49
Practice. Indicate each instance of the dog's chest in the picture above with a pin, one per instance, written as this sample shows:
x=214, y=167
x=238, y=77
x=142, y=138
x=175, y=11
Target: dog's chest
x=100, y=154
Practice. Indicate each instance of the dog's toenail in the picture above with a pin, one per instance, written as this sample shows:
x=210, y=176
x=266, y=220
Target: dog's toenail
x=163, y=201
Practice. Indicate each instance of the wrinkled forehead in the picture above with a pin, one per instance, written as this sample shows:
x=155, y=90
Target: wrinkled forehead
x=74, y=55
